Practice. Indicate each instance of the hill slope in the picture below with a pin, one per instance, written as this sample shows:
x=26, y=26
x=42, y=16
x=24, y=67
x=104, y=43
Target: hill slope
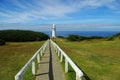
x=22, y=35
x=99, y=59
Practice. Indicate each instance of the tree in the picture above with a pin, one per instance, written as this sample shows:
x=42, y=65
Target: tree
x=2, y=42
x=22, y=35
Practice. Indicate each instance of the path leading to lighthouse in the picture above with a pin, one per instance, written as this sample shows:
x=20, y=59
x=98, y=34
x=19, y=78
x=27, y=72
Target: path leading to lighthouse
x=49, y=67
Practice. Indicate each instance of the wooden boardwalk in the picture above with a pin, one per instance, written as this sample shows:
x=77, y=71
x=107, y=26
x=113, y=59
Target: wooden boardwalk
x=49, y=67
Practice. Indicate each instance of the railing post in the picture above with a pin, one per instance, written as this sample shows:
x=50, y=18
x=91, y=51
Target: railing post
x=61, y=57
x=31, y=63
x=58, y=52
x=78, y=78
x=41, y=52
x=33, y=67
x=66, y=65
x=56, y=49
x=38, y=58
x=43, y=49
x=17, y=78
x=68, y=61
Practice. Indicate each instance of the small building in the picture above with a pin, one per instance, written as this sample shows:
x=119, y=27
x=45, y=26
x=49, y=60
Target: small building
x=53, y=31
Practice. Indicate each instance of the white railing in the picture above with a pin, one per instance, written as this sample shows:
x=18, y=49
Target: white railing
x=20, y=74
x=61, y=53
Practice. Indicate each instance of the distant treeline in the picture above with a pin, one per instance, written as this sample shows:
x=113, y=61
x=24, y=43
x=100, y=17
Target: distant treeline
x=73, y=37
x=2, y=42
x=22, y=36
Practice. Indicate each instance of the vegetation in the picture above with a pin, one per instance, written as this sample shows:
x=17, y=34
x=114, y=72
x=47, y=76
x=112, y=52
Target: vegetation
x=109, y=38
x=60, y=37
x=95, y=37
x=14, y=55
x=2, y=42
x=22, y=35
x=117, y=35
x=98, y=58
x=73, y=37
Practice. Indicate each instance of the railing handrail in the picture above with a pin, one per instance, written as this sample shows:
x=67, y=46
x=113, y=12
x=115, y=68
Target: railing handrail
x=79, y=73
x=19, y=75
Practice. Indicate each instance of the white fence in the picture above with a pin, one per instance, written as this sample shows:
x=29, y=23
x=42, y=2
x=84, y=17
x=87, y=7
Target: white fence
x=61, y=53
x=20, y=74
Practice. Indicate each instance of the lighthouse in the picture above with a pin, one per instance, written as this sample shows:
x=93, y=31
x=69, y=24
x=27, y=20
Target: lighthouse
x=53, y=31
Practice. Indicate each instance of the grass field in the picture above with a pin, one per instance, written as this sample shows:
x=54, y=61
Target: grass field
x=99, y=59
x=14, y=55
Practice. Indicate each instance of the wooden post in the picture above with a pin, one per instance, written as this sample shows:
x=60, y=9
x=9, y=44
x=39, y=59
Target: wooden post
x=56, y=49
x=41, y=52
x=58, y=52
x=17, y=78
x=66, y=65
x=61, y=57
x=77, y=77
x=33, y=67
x=44, y=49
x=38, y=58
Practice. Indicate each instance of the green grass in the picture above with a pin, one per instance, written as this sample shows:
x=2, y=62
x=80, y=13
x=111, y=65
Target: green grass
x=13, y=57
x=99, y=59
x=28, y=74
x=71, y=71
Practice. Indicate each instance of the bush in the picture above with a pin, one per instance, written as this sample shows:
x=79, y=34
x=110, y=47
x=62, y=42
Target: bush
x=60, y=37
x=72, y=37
x=2, y=42
x=80, y=38
x=22, y=35
x=109, y=38
x=117, y=35
x=95, y=37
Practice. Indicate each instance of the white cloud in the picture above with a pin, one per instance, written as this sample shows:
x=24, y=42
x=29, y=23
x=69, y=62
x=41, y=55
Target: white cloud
x=46, y=9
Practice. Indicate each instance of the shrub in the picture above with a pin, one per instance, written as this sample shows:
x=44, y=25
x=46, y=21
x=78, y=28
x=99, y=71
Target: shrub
x=79, y=38
x=82, y=38
x=60, y=37
x=73, y=37
x=117, y=35
x=109, y=38
x=2, y=42
x=95, y=37
x=22, y=35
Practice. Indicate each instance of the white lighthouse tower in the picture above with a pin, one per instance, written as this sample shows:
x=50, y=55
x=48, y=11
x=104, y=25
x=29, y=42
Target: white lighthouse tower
x=53, y=31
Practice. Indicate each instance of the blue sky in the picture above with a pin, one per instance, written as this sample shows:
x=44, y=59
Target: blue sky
x=66, y=14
